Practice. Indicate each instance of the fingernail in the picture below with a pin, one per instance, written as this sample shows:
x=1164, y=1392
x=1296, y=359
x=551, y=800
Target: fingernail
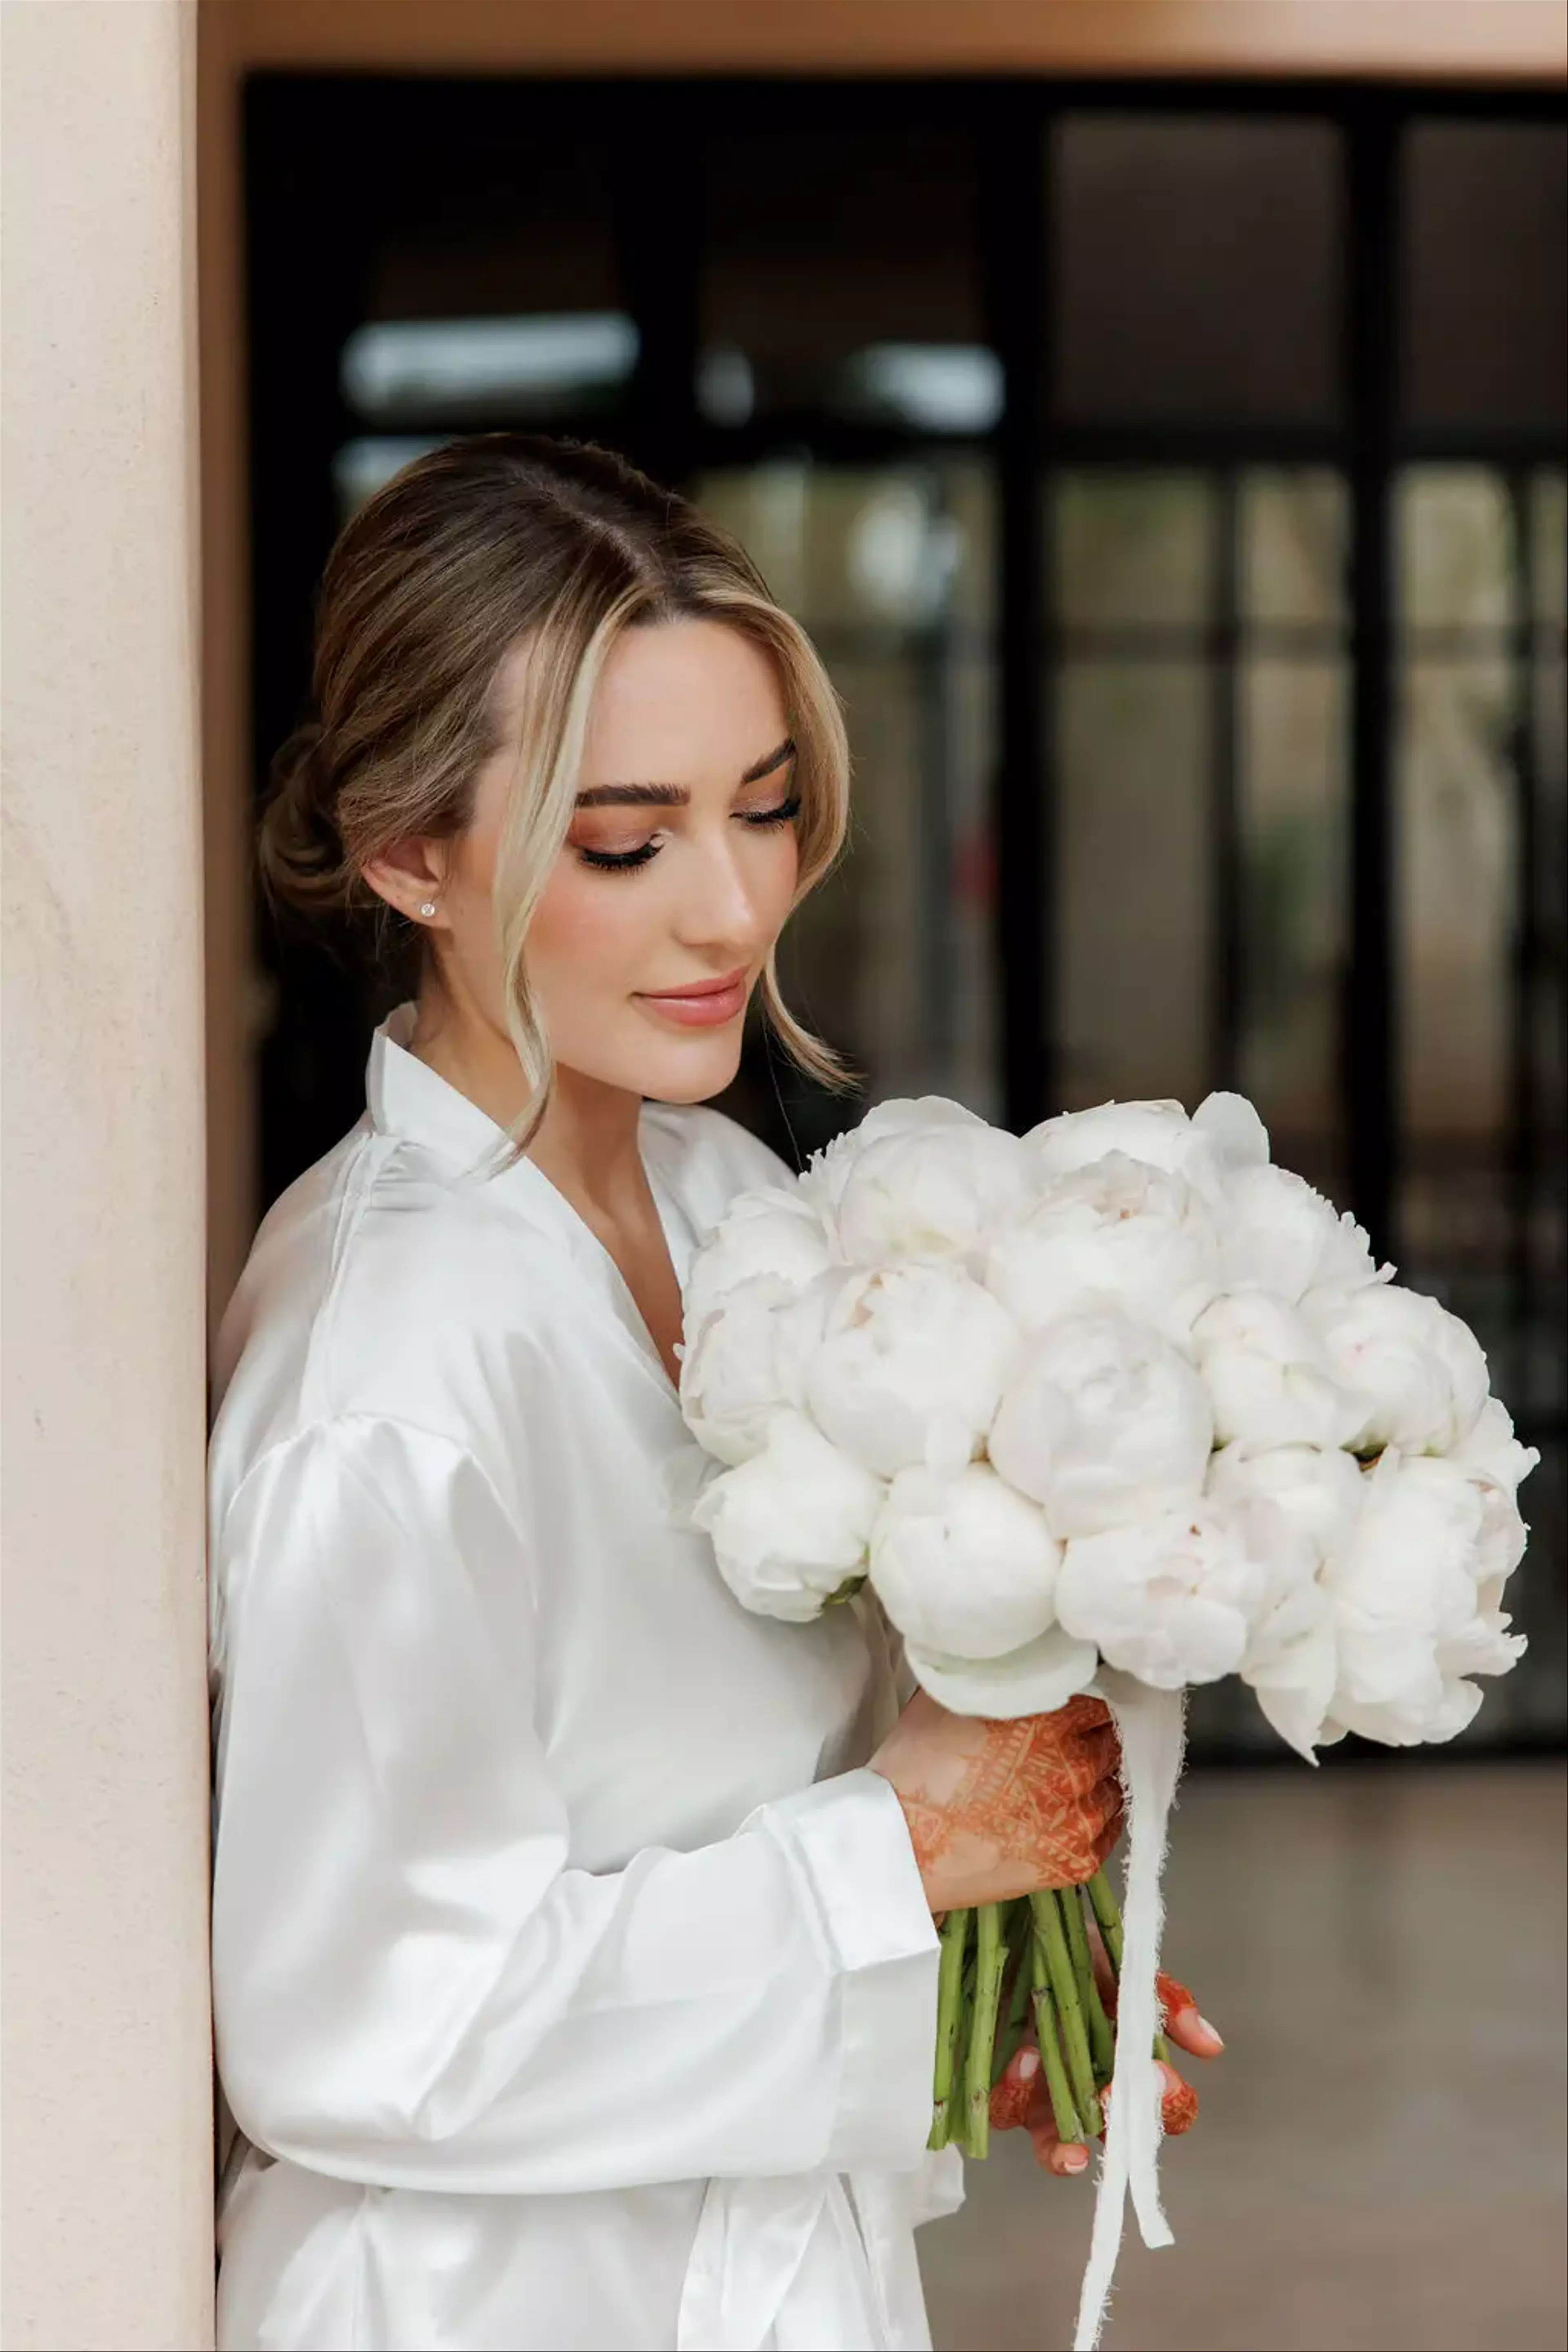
x=1075, y=2160
x=1205, y=2027
x=1029, y=2065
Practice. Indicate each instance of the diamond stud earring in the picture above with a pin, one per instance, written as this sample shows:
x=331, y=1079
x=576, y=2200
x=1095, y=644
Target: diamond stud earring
x=428, y=908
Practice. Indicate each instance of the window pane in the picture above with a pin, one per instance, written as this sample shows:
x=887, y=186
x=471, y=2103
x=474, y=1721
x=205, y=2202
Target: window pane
x=1294, y=529
x=889, y=569
x=1197, y=269
x=1549, y=545
x=1486, y=255
x=1547, y=1011
x=490, y=285
x=840, y=272
x=1458, y=566
x=1293, y=849
x=1458, y=856
x=1132, y=903
x=1134, y=548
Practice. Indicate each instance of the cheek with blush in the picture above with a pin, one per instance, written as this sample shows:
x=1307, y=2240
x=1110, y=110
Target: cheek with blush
x=586, y=944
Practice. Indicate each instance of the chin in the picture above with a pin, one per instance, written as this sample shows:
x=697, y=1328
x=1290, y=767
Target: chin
x=693, y=1071
x=689, y=1066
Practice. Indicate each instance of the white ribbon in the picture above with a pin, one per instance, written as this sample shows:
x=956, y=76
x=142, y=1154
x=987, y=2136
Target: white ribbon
x=1151, y=1726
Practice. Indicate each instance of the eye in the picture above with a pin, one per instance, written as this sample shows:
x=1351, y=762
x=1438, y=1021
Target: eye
x=782, y=814
x=619, y=861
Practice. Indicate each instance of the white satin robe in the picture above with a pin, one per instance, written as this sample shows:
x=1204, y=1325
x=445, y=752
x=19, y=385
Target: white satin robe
x=573, y=1986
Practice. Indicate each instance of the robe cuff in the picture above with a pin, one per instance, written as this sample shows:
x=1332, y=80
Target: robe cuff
x=848, y=1839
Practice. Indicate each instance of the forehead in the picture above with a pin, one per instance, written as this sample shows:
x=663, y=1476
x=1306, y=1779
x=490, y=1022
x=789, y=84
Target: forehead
x=678, y=699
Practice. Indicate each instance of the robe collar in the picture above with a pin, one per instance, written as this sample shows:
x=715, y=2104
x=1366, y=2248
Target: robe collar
x=406, y=1098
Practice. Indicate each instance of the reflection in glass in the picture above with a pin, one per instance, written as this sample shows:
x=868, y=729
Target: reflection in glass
x=1458, y=820
x=1134, y=548
x=889, y=570
x=1549, y=544
x=1457, y=560
x=843, y=266
x=1292, y=806
x=359, y=467
x=1132, y=906
x=1294, y=547
x=509, y=369
x=1547, y=1258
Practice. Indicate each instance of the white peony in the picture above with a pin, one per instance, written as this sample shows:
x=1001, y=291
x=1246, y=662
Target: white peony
x=748, y=1359
x=828, y=1171
x=1103, y=1422
x=1224, y=1135
x=793, y=1524
x=1416, y=1610
x=1159, y=1133
x=1033, y=1680
x=1228, y=1125
x=1294, y=1508
x=963, y=1565
x=1499, y=1541
x=1318, y=1490
x=1279, y=1234
x=1117, y=1232
x=1171, y=1600
x=930, y=1192
x=772, y=1232
x=1267, y=1372
x=1491, y=1451
x=1419, y=1371
x=910, y=1367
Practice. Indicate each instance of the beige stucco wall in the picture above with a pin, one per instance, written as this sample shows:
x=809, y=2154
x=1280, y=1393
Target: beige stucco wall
x=107, y=2098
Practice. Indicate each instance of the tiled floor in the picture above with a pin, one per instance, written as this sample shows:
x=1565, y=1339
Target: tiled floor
x=1380, y=2163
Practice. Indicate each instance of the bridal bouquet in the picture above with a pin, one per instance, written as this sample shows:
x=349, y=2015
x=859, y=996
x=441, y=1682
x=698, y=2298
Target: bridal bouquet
x=1117, y=1407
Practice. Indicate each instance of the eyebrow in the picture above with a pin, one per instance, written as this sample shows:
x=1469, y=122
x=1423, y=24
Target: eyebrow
x=674, y=795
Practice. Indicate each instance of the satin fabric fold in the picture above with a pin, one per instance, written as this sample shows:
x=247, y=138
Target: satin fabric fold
x=574, y=1987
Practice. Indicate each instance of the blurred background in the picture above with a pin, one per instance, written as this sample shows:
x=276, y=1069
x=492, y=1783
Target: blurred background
x=1172, y=475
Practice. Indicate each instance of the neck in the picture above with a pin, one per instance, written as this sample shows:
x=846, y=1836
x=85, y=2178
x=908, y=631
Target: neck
x=587, y=1142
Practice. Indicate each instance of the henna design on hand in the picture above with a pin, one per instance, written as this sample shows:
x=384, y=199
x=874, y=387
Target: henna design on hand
x=1036, y=1798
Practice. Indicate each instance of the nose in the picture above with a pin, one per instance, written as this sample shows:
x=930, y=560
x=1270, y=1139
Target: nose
x=723, y=902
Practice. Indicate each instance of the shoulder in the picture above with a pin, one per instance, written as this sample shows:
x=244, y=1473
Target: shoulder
x=706, y=1158
x=347, y=1512
x=377, y=1287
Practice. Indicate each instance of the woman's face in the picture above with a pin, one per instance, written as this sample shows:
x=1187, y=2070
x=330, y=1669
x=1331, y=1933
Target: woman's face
x=675, y=876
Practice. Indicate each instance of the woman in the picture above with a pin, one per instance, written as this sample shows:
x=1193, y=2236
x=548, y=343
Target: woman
x=574, y=1969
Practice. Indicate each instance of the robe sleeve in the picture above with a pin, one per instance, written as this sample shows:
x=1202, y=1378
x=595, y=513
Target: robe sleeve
x=412, y=1987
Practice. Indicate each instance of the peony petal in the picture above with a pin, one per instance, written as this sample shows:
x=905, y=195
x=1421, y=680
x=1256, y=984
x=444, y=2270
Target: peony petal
x=1231, y=1127
x=1036, y=1680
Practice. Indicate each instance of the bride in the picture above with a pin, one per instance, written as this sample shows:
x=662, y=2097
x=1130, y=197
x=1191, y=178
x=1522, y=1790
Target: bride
x=574, y=1965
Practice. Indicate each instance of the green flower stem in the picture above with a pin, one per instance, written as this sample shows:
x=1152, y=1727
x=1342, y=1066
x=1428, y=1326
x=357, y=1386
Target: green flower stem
x=1048, y=1928
x=1020, y=1936
x=1107, y=1913
x=990, y=1952
x=1047, y=2035
x=1101, y=2041
x=949, y=2005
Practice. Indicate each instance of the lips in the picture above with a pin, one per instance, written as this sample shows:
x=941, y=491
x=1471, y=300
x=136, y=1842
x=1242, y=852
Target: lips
x=701, y=1003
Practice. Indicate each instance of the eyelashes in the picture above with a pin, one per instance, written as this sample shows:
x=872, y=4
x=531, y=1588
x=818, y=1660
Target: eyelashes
x=626, y=861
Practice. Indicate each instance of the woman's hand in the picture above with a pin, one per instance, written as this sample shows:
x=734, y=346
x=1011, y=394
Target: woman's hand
x=1021, y=2099
x=1002, y=1809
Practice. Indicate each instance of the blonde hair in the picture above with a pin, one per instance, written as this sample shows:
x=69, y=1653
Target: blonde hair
x=494, y=541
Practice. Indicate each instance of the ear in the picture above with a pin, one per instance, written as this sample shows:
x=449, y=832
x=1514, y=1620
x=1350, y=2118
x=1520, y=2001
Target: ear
x=411, y=876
